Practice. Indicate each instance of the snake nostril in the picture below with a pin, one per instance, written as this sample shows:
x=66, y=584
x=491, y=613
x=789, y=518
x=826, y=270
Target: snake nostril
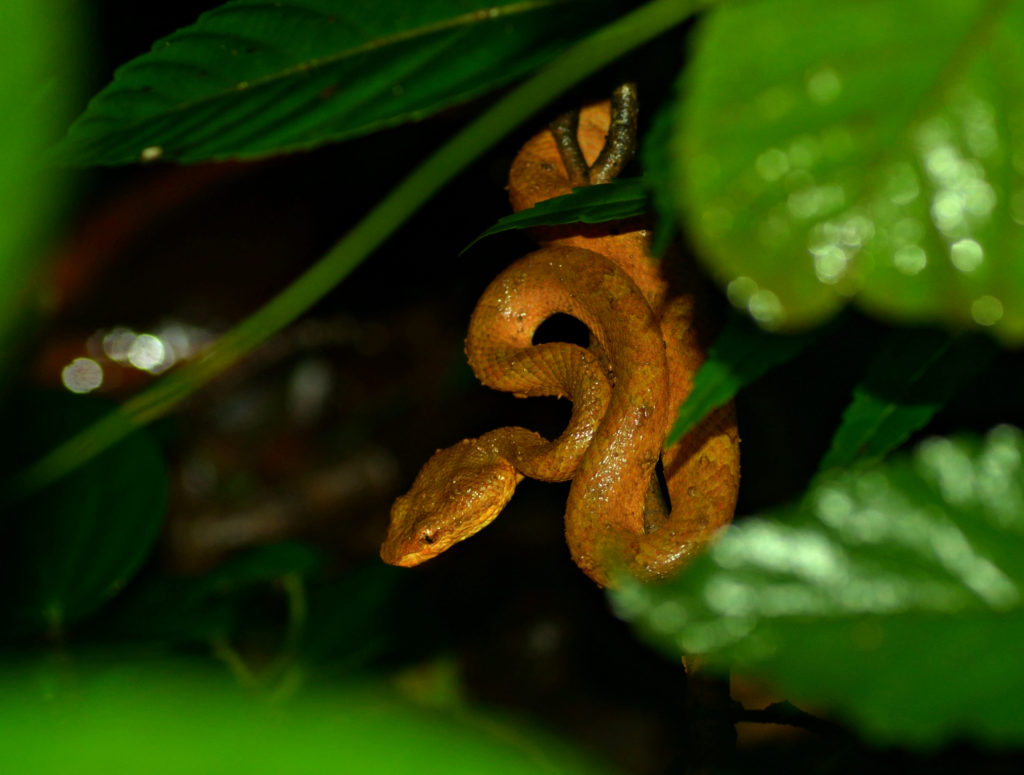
x=427, y=538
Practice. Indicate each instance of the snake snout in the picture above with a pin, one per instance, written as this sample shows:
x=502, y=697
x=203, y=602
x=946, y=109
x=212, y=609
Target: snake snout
x=402, y=547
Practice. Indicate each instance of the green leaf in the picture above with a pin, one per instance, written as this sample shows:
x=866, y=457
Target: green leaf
x=171, y=610
x=892, y=593
x=347, y=615
x=252, y=78
x=72, y=546
x=657, y=171
x=871, y=151
x=32, y=44
x=265, y=563
x=186, y=609
x=624, y=198
x=914, y=374
x=170, y=719
x=741, y=353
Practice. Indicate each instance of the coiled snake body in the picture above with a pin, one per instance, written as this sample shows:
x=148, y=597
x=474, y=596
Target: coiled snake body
x=646, y=331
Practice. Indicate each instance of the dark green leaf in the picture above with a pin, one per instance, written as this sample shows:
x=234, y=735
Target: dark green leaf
x=892, y=593
x=914, y=374
x=198, y=609
x=72, y=546
x=741, y=353
x=253, y=78
x=658, y=174
x=624, y=198
x=265, y=563
x=870, y=151
x=171, y=610
x=170, y=719
x=347, y=615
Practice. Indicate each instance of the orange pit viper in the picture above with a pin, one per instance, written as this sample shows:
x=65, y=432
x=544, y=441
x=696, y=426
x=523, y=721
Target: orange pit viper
x=648, y=332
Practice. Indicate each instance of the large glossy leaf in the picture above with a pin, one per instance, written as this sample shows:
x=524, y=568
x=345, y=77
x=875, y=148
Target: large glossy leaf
x=253, y=78
x=32, y=44
x=70, y=547
x=913, y=375
x=170, y=719
x=871, y=150
x=892, y=593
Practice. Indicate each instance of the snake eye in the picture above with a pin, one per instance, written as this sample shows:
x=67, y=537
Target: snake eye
x=427, y=538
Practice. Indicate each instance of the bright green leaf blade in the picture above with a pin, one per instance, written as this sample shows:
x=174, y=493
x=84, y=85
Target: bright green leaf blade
x=73, y=545
x=892, y=593
x=170, y=719
x=31, y=47
x=871, y=150
x=741, y=353
x=914, y=374
x=614, y=201
x=253, y=78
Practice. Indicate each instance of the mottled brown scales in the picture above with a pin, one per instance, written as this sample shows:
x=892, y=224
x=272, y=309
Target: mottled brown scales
x=647, y=331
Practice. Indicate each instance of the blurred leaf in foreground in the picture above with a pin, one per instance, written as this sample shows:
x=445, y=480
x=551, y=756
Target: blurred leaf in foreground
x=870, y=151
x=33, y=45
x=173, y=720
x=892, y=593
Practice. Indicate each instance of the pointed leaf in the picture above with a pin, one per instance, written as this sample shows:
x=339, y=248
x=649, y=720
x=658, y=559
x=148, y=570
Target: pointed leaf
x=913, y=375
x=893, y=593
x=624, y=198
x=657, y=170
x=253, y=78
x=741, y=353
x=871, y=151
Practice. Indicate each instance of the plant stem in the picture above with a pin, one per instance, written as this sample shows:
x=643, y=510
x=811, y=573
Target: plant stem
x=583, y=59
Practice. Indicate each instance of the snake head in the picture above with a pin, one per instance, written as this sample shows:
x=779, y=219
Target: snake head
x=459, y=491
